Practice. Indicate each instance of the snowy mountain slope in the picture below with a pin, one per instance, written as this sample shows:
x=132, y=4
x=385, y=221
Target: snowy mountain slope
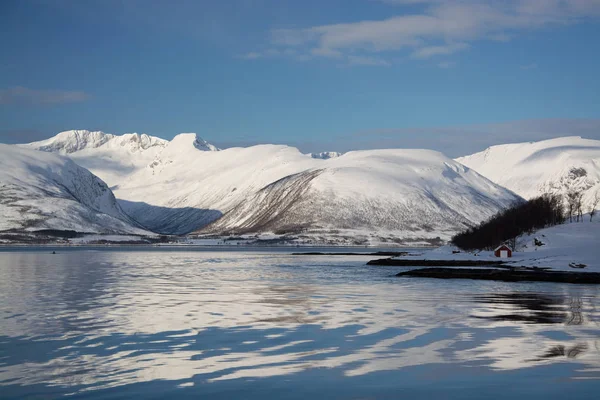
x=115, y=158
x=197, y=187
x=412, y=193
x=112, y=157
x=188, y=185
x=549, y=166
x=46, y=191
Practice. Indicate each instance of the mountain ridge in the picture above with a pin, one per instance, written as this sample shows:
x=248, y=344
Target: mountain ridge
x=187, y=185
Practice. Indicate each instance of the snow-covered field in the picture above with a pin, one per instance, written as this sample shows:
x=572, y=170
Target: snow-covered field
x=563, y=245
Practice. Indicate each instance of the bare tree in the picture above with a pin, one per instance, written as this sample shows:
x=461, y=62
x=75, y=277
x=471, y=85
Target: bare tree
x=512, y=243
x=594, y=204
x=572, y=200
x=579, y=206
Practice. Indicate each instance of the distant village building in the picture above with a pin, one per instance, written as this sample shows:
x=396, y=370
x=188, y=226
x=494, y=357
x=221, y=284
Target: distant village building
x=503, y=251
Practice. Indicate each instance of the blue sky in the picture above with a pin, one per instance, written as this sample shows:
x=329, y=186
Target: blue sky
x=454, y=76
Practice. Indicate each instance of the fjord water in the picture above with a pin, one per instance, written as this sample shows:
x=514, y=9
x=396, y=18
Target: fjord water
x=117, y=323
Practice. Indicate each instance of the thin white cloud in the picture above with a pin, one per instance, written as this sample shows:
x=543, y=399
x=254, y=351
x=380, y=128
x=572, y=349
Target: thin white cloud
x=368, y=61
x=23, y=95
x=431, y=51
x=428, y=28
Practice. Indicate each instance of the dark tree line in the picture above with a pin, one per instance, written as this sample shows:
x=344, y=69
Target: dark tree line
x=507, y=225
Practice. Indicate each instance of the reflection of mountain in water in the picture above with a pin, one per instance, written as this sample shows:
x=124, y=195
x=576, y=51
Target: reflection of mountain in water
x=532, y=308
x=563, y=351
x=537, y=343
x=209, y=321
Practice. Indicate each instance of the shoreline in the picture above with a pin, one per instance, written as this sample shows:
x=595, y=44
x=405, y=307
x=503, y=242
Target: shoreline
x=505, y=275
x=393, y=262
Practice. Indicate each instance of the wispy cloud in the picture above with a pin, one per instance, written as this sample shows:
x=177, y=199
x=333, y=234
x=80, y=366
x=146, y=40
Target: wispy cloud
x=437, y=27
x=26, y=96
x=431, y=51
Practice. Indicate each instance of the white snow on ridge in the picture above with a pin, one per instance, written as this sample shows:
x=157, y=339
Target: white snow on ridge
x=46, y=191
x=108, y=156
x=550, y=166
x=76, y=140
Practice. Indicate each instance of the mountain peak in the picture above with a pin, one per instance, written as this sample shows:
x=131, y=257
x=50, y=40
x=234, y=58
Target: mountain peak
x=185, y=139
x=72, y=141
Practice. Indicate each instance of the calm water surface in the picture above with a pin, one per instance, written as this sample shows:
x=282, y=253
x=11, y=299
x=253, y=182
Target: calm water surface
x=266, y=324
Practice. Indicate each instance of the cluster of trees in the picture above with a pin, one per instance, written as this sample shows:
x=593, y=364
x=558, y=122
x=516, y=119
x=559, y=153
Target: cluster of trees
x=537, y=213
x=507, y=225
x=574, y=201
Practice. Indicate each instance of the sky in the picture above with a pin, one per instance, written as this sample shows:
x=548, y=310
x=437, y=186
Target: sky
x=321, y=75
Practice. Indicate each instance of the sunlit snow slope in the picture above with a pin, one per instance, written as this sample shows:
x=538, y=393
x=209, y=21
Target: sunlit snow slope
x=549, y=166
x=408, y=194
x=46, y=191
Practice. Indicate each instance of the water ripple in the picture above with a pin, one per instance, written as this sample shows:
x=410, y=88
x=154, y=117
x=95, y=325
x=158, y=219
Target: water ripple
x=144, y=323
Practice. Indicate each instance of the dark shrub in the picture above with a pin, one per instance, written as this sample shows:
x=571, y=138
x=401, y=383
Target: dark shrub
x=507, y=225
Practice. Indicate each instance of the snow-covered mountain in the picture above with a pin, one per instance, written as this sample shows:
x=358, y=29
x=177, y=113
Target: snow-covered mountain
x=185, y=185
x=111, y=157
x=46, y=191
x=550, y=166
x=402, y=194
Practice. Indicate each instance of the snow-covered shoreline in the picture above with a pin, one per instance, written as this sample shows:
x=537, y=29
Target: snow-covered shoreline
x=567, y=247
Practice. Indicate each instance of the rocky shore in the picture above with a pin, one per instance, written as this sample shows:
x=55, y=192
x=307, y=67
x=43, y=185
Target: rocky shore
x=506, y=275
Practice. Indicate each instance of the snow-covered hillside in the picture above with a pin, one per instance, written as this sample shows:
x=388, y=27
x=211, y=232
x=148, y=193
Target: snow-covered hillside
x=405, y=194
x=413, y=193
x=185, y=184
x=549, y=166
x=565, y=247
x=46, y=191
